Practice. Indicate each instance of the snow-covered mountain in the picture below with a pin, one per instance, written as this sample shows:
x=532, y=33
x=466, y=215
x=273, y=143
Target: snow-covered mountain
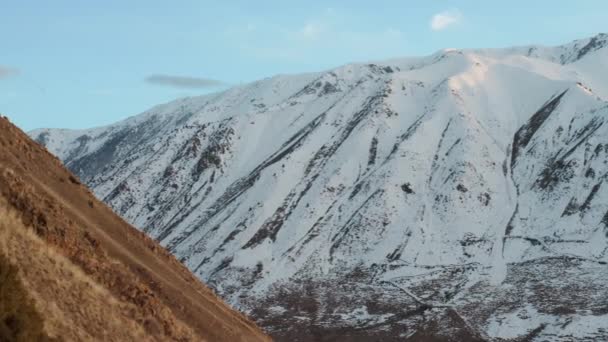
x=461, y=194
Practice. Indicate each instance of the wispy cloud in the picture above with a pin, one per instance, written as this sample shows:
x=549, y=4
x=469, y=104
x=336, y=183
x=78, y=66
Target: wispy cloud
x=312, y=30
x=8, y=72
x=331, y=33
x=315, y=28
x=183, y=81
x=443, y=20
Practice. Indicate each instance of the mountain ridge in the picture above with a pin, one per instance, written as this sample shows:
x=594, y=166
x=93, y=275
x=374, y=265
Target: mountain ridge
x=601, y=39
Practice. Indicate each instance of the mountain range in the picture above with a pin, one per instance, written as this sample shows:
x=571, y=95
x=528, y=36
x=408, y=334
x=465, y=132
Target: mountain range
x=457, y=196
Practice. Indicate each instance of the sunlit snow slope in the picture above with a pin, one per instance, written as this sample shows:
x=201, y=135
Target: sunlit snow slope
x=460, y=194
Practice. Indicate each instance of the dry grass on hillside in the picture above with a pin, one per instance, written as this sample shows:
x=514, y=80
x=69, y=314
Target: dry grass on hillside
x=43, y=296
x=19, y=319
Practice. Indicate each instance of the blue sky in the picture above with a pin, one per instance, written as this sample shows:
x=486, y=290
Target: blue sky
x=78, y=64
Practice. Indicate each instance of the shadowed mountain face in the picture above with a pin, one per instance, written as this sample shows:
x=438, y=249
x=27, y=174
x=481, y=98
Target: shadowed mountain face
x=461, y=194
x=71, y=269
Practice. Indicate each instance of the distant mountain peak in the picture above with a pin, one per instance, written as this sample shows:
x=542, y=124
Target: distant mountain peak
x=597, y=42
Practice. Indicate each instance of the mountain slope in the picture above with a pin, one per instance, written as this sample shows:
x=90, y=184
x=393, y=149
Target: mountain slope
x=85, y=272
x=441, y=195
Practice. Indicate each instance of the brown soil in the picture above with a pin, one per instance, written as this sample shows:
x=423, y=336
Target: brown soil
x=85, y=274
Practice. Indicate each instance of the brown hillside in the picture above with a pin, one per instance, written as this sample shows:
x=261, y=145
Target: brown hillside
x=70, y=269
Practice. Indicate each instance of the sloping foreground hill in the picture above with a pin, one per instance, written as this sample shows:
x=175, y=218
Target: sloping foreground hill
x=70, y=269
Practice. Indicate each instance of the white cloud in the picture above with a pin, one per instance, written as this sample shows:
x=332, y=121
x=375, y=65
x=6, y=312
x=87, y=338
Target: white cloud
x=443, y=20
x=311, y=31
